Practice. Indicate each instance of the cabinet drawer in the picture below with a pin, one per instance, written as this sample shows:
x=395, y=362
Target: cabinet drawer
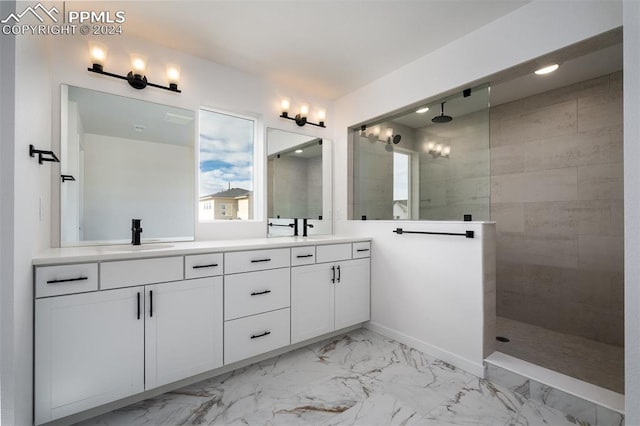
x=66, y=279
x=303, y=255
x=256, y=260
x=361, y=250
x=203, y=265
x=333, y=252
x=128, y=273
x=249, y=336
x=256, y=292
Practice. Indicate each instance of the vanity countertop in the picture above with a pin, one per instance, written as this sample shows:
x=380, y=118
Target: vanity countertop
x=54, y=256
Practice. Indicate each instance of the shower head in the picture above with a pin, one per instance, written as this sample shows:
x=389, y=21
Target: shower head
x=442, y=118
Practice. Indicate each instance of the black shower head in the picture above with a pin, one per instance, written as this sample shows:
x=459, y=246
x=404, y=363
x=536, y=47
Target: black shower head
x=442, y=118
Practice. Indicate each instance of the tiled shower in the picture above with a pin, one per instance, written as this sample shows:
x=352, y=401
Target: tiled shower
x=557, y=198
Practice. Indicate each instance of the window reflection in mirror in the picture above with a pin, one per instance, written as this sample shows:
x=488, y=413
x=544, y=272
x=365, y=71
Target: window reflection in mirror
x=226, y=167
x=421, y=165
x=129, y=159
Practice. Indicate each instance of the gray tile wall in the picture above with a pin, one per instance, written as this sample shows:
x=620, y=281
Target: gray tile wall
x=557, y=198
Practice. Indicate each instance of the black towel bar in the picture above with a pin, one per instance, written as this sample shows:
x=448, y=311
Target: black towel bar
x=467, y=234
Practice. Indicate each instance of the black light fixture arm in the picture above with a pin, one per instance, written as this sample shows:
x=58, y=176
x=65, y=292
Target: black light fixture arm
x=136, y=81
x=300, y=120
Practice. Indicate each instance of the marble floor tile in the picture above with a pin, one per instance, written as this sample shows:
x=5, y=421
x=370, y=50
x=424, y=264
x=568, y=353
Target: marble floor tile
x=359, y=378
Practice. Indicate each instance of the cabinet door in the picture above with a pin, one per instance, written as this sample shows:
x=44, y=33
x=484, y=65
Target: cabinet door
x=89, y=350
x=312, y=301
x=183, y=329
x=353, y=293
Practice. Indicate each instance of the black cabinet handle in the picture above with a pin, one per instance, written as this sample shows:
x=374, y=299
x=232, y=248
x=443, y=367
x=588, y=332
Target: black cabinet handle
x=67, y=280
x=333, y=274
x=213, y=265
x=260, y=260
x=150, y=303
x=362, y=250
x=339, y=274
x=138, y=305
x=255, y=336
x=260, y=292
x=300, y=256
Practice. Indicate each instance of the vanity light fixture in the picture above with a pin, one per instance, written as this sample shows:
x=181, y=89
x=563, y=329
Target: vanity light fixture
x=301, y=117
x=136, y=77
x=375, y=134
x=438, y=150
x=547, y=69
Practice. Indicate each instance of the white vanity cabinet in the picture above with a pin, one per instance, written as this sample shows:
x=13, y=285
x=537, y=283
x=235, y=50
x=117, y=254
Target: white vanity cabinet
x=183, y=329
x=109, y=326
x=89, y=350
x=329, y=296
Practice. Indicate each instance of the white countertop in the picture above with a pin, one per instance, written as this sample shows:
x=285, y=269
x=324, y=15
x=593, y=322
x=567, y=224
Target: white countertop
x=54, y=256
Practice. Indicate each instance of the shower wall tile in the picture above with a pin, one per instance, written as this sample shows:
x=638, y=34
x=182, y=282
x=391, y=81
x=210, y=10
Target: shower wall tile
x=601, y=182
x=600, y=111
x=548, y=185
x=468, y=191
x=507, y=159
x=599, y=252
x=557, y=199
x=509, y=217
x=552, y=121
x=607, y=417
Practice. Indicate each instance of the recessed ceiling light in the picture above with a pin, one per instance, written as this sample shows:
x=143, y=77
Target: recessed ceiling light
x=298, y=151
x=422, y=110
x=547, y=70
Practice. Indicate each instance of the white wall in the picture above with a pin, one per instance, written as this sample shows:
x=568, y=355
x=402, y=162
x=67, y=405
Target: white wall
x=530, y=31
x=632, y=209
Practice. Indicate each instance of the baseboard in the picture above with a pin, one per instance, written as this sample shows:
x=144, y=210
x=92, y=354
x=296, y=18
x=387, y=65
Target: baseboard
x=477, y=369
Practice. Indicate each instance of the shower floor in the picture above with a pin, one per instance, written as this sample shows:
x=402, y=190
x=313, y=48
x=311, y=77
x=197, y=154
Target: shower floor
x=593, y=362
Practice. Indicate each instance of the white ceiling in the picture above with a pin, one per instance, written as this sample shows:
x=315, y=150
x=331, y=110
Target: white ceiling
x=326, y=48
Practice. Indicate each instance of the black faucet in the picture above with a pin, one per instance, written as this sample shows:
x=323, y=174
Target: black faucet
x=136, y=230
x=294, y=225
x=305, y=225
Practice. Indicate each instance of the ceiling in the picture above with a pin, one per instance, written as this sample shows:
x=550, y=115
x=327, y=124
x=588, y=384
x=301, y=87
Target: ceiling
x=325, y=48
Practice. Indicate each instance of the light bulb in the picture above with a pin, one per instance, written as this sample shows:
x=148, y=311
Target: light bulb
x=431, y=146
x=438, y=148
x=284, y=105
x=304, y=110
x=138, y=64
x=322, y=114
x=446, y=151
x=98, y=53
x=376, y=131
x=389, y=132
x=173, y=74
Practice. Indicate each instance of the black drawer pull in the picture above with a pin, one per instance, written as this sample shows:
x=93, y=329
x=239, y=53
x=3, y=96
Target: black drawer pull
x=67, y=280
x=260, y=292
x=339, y=274
x=260, y=260
x=362, y=250
x=213, y=265
x=138, y=305
x=150, y=303
x=300, y=256
x=333, y=274
x=255, y=336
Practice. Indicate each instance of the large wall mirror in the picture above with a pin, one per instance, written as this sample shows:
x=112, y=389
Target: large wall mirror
x=299, y=182
x=124, y=158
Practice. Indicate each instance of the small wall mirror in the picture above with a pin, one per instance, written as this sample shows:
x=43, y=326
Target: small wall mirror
x=121, y=159
x=299, y=182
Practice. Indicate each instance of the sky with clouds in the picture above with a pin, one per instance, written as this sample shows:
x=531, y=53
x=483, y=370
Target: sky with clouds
x=226, y=152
